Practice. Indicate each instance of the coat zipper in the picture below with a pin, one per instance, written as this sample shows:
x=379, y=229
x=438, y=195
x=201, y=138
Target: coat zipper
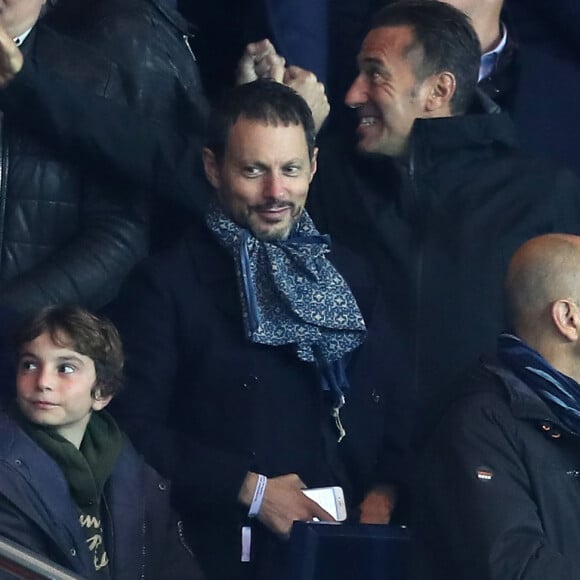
x=418, y=272
x=143, y=549
x=187, y=43
x=182, y=539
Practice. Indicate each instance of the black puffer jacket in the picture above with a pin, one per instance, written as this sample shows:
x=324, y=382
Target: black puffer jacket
x=65, y=236
x=498, y=486
x=441, y=230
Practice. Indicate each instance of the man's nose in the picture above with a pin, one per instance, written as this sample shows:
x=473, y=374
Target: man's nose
x=357, y=94
x=274, y=187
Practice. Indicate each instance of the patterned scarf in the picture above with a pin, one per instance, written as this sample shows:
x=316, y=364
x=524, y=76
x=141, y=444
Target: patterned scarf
x=291, y=294
x=560, y=392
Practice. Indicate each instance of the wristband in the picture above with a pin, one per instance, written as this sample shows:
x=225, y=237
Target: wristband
x=258, y=496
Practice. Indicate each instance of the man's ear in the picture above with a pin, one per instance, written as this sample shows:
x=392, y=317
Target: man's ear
x=566, y=318
x=211, y=167
x=313, y=164
x=441, y=90
x=100, y=401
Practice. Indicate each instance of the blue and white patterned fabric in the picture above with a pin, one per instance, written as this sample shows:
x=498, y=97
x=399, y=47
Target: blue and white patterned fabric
x=559, y=391
x=292, y=294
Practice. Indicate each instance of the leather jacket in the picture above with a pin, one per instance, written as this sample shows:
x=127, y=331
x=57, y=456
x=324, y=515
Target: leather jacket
x=64, y=234
x=153, y=46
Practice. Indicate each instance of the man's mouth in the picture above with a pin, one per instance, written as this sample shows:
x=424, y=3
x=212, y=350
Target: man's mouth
x=273, y=211
x=368, y=121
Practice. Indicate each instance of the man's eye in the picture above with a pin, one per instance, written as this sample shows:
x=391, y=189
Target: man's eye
x=252, y=171
x=292, y=170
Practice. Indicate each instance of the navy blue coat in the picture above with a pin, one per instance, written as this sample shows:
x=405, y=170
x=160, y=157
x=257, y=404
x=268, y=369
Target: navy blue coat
x=538, y=87
x=143, y=538
x=538, y=77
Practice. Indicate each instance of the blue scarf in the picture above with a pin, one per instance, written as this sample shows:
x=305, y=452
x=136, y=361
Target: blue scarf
x=291, y=294
x=560, y=392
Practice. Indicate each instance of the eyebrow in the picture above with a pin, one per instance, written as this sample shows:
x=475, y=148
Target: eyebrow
x=60, y=359
x=71, y=358
x=369, y=61
x=252, y=163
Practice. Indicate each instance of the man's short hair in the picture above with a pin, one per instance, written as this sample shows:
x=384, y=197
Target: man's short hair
x=262, y=100
x=447, y=39
x=84, y=333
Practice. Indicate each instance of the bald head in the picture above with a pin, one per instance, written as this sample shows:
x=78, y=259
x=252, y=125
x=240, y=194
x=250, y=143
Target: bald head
x=544, y=270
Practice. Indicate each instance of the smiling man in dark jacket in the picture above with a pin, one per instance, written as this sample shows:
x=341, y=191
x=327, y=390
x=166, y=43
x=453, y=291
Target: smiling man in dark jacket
x=245, y=340
x=498, y=487
x=438, y=195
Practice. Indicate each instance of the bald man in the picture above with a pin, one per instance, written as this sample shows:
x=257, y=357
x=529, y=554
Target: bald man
x=499, y=486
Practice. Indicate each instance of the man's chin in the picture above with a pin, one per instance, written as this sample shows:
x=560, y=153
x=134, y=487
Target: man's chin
x=366, y=146
x=272, y=232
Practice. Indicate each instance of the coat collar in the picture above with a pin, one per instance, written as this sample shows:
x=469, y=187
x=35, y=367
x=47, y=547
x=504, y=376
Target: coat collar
x=433, y=141
x=41, y=491
x=525, y=404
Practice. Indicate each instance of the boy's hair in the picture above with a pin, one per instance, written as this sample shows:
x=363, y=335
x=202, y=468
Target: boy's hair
x=75, y=328
x=262, y=100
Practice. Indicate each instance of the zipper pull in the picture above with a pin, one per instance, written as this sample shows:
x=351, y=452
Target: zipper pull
x=337, y=422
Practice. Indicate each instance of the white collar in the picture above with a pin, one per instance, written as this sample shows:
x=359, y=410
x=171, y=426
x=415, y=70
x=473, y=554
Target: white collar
x=21, y=38
x=489, y=59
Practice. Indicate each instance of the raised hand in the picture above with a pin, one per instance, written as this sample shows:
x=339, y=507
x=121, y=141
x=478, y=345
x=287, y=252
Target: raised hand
x=11, y=59
x=260, y=60
x=311, y=90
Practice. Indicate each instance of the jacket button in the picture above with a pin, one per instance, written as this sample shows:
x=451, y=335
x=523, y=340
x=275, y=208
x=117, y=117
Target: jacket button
x=163, y=486
x=18, y=462
x=556, y=435
x=73, y=552
x=376, y=397
x=546, y=427
x=250, y=381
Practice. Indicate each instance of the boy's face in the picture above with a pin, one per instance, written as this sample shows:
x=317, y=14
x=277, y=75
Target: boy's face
x=54, y=387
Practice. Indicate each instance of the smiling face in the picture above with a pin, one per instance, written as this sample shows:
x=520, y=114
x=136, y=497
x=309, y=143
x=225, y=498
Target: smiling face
x=263, y=180
x=55, y=387
x=386, y=93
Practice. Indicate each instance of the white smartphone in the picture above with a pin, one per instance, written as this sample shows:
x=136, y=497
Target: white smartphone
x=330, y=499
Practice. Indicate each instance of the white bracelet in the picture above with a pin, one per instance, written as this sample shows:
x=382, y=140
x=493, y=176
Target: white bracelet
x=258, y=496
